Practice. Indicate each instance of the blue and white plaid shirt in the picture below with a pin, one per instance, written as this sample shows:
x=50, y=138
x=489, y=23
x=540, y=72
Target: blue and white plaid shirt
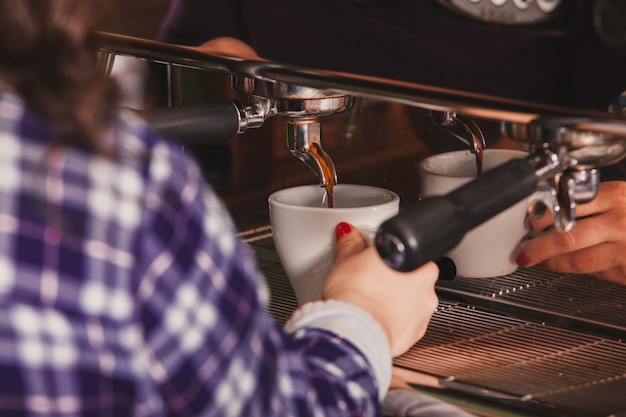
x=124, y=291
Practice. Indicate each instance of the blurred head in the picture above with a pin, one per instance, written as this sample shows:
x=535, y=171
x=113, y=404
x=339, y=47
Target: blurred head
x=48, y=55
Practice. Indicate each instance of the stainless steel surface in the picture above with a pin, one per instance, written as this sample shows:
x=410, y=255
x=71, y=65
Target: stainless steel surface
x=255, y=113
x=582, y=145
x=291, y=100
x=550, y=344
x=590, y=143
x=583, y=142
x=280, y=90
x=533, y=343
x=470, y=104
x=303, y=106
x=304, y=142
x=463, y=128
x=268, y=97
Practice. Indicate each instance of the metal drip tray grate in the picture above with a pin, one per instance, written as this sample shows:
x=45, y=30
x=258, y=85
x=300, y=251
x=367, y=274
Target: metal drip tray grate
x=580, y=297
x=573, y=371
x=552, y=341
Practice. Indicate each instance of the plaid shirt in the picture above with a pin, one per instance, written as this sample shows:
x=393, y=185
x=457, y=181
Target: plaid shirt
x=124, y=291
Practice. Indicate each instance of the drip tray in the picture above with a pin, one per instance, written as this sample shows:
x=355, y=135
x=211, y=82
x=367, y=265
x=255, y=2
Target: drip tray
x=529, y=343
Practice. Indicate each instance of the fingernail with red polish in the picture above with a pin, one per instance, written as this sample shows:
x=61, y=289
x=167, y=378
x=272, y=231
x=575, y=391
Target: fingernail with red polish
x=522, y=259
x=342, y=229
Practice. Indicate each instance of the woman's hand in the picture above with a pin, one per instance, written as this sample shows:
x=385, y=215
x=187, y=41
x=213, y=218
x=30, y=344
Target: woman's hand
x=402, y=303
x=596, y=245
x=229, y=47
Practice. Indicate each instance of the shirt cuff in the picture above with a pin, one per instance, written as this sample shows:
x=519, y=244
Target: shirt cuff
x=353, y=324
x=412, y=403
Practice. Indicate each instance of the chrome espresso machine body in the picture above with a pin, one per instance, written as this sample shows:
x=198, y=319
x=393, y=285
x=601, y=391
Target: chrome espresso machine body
x=531, y=343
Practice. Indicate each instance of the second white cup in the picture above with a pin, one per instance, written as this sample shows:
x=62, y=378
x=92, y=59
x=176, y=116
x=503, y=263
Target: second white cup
x=489, y=249
x=303, y=228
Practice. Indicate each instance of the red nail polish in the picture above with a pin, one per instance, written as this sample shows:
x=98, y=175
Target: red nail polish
x=522, y=259
x=342, y=229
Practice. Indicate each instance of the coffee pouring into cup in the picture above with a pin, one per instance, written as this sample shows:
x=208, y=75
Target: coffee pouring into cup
x=303, y=228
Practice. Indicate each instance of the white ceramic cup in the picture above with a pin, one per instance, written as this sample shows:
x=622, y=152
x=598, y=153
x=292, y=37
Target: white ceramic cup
x=489, y=249
x=303, y=228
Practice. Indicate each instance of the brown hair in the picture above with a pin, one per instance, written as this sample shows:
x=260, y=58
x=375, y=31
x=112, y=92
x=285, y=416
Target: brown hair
x=48, y=55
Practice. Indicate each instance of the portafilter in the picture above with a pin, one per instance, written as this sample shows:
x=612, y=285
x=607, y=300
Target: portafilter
x=564, y=156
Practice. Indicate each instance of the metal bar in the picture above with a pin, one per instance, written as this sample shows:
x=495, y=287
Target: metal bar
x=435, y=98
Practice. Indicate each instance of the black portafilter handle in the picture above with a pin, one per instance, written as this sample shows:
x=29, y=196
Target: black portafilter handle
x=435, y=225
x=447, y=268
x=197, y=123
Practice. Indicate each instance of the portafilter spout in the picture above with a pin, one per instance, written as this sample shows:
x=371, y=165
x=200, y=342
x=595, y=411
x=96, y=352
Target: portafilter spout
x=564, y=156
x=461, y=127
x=303, y=141
x=303, y=106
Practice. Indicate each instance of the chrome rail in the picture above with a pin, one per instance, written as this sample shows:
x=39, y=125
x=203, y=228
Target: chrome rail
x=418, y=95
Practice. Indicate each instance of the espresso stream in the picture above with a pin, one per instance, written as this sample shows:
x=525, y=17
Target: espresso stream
x=330, y=186
x=479, y=154
x=329, y=178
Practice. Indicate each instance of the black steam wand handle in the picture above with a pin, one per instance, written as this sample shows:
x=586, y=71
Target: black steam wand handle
x=435, y=225
x=197, y=123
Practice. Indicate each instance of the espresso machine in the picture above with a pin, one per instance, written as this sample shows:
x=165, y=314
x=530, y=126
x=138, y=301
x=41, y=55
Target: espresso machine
x=533, y=343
